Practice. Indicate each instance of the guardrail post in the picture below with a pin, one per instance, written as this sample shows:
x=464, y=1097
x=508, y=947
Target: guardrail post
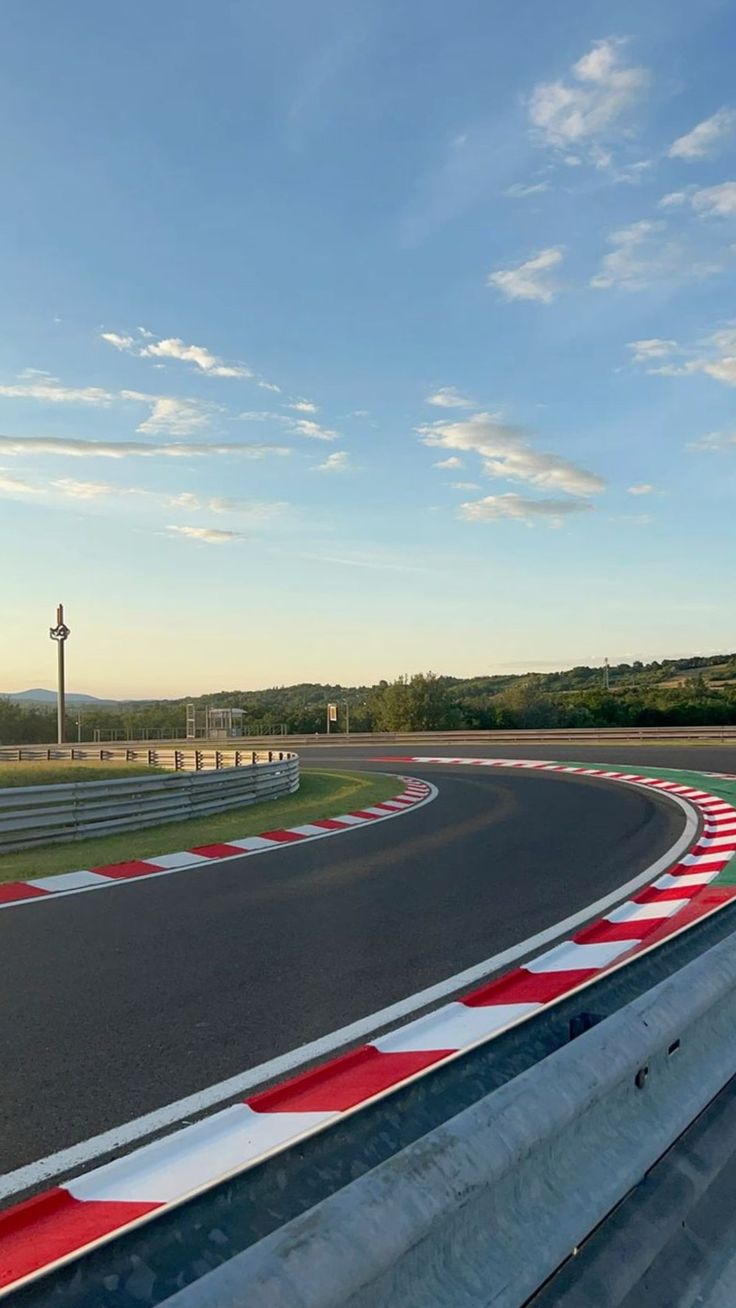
x=218, y=760
x=178, y=761
x=198, y=763
x=237, y=758
x=253, y=758
x=151, y=757
x=48, y=755
x=270, y=756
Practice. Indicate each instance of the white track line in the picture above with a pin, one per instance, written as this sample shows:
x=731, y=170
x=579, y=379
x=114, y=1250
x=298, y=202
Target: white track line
x=170, y=1115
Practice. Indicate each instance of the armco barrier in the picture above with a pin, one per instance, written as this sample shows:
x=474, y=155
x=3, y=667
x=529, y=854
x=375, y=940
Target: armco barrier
x=484, y=1208
x=34, y=815
x=557, y=735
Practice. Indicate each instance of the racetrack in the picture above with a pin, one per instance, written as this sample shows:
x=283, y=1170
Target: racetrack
x=117, y=1003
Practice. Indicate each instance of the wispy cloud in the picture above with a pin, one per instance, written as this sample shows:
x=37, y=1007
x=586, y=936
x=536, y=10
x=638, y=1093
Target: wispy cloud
x=70, y=448
x=530, y=280
x=706, y=201
x=208, y=535
x=304, y=406
x=15, y=485
x=642, y=255
x=464, y=485
x=168, y=413
x=452, y=462
x=447, y=397
x=32, y=384
x=652, y=348
x=305, y=427
x=716, y=442
x=506, y=451
x=641, y=488
x=705, y=139
x=584, y=112
x=257, y=512
x=715, y=356
x=496, y=508
x=338, y=461
x=520, y=190
x=145, y=345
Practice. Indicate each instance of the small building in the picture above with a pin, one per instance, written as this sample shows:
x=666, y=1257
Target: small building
x=214, y=723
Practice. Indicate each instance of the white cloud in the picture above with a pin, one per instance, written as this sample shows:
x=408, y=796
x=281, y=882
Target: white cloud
x=520, y=190
x=531, y=280
x=304, y=406
x=173, y=347
x=703, y=141
x=495, y=508
x=168, y=414
x=716, y=201
x=452, y=462
x=209, y=535
x=269, y=386
x=447, y=397
x=305, y=427
x=506, y=452
x=120, y=342
x=15, y=485
x=673, y=200
x=635, y=519
x=715, y=356
x=587, y=109
x=652, y=348
x=339, y=461
x=715, y=442
x=464, y=485
x=706, y=201
x=642, y=255
x=261, y=415
x=36, y=385
x=89, y=490
x=642, y=488
x=70, y=448
x=258, y=512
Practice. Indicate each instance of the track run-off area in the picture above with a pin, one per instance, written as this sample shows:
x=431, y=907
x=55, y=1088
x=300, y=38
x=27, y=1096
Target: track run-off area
x=131, y=1012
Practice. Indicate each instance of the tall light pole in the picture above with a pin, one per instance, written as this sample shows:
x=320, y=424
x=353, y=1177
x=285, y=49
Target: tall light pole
x=60, y=633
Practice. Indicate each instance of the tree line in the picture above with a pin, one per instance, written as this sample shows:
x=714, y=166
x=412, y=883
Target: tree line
x=423, y=702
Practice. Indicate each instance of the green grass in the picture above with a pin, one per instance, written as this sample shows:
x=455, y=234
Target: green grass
x=60, y=772
x=320, y=795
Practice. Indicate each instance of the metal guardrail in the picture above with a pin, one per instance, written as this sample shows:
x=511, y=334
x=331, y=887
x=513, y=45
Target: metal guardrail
x=487, y=1206
x=179, y=758
x=583, y=735
x=34, y=815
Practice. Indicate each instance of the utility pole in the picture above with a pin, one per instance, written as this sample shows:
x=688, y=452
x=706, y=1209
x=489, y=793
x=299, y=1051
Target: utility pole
x=60, y=633
x=606, y=674
x=347, y=717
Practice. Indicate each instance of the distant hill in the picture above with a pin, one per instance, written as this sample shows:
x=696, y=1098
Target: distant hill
x=40, y=696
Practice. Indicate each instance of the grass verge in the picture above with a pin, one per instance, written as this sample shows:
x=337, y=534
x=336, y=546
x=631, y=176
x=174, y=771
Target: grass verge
x=320, y=795
x=58, y=773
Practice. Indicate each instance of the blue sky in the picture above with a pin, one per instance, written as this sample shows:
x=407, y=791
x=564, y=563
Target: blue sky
x=347, y=339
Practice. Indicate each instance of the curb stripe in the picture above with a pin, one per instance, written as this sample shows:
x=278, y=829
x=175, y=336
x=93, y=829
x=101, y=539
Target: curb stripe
x=37, y=888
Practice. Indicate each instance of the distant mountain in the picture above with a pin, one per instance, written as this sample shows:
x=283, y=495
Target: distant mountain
x=40, y=696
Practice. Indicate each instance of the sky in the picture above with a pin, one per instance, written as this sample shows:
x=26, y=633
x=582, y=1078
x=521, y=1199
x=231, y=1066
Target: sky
x=349, y=339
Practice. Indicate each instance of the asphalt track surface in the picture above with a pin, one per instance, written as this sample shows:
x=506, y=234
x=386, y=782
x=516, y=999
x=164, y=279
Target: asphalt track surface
x=119, y=1002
